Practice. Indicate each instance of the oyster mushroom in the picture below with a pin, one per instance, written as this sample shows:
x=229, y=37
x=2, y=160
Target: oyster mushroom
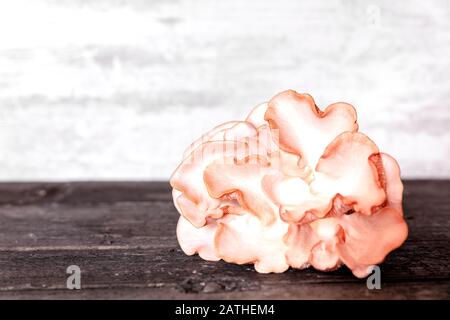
x=291, y=186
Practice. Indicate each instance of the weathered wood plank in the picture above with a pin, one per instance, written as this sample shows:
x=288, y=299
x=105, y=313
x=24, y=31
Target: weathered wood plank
x=122, y=235
x=85, y=192
x=151, y=273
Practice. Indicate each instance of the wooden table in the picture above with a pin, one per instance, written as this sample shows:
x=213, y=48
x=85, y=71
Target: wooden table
x=122, y=236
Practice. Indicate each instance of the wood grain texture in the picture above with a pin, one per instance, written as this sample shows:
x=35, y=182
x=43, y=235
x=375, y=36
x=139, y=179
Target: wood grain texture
x=122, y=235
x=91, y=89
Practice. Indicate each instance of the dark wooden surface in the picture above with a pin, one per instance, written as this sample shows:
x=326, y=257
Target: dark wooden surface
x=122, y=235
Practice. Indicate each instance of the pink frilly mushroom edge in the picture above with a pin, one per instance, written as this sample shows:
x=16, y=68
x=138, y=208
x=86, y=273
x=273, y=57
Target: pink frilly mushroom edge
x=291, y=186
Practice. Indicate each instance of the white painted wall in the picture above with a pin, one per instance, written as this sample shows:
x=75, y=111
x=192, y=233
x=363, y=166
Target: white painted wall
x=117, y=89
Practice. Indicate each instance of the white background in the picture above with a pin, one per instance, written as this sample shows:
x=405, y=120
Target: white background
x=95, y=90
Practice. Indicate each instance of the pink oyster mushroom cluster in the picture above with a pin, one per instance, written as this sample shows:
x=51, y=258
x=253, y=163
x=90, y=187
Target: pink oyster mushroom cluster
x=291, y=186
